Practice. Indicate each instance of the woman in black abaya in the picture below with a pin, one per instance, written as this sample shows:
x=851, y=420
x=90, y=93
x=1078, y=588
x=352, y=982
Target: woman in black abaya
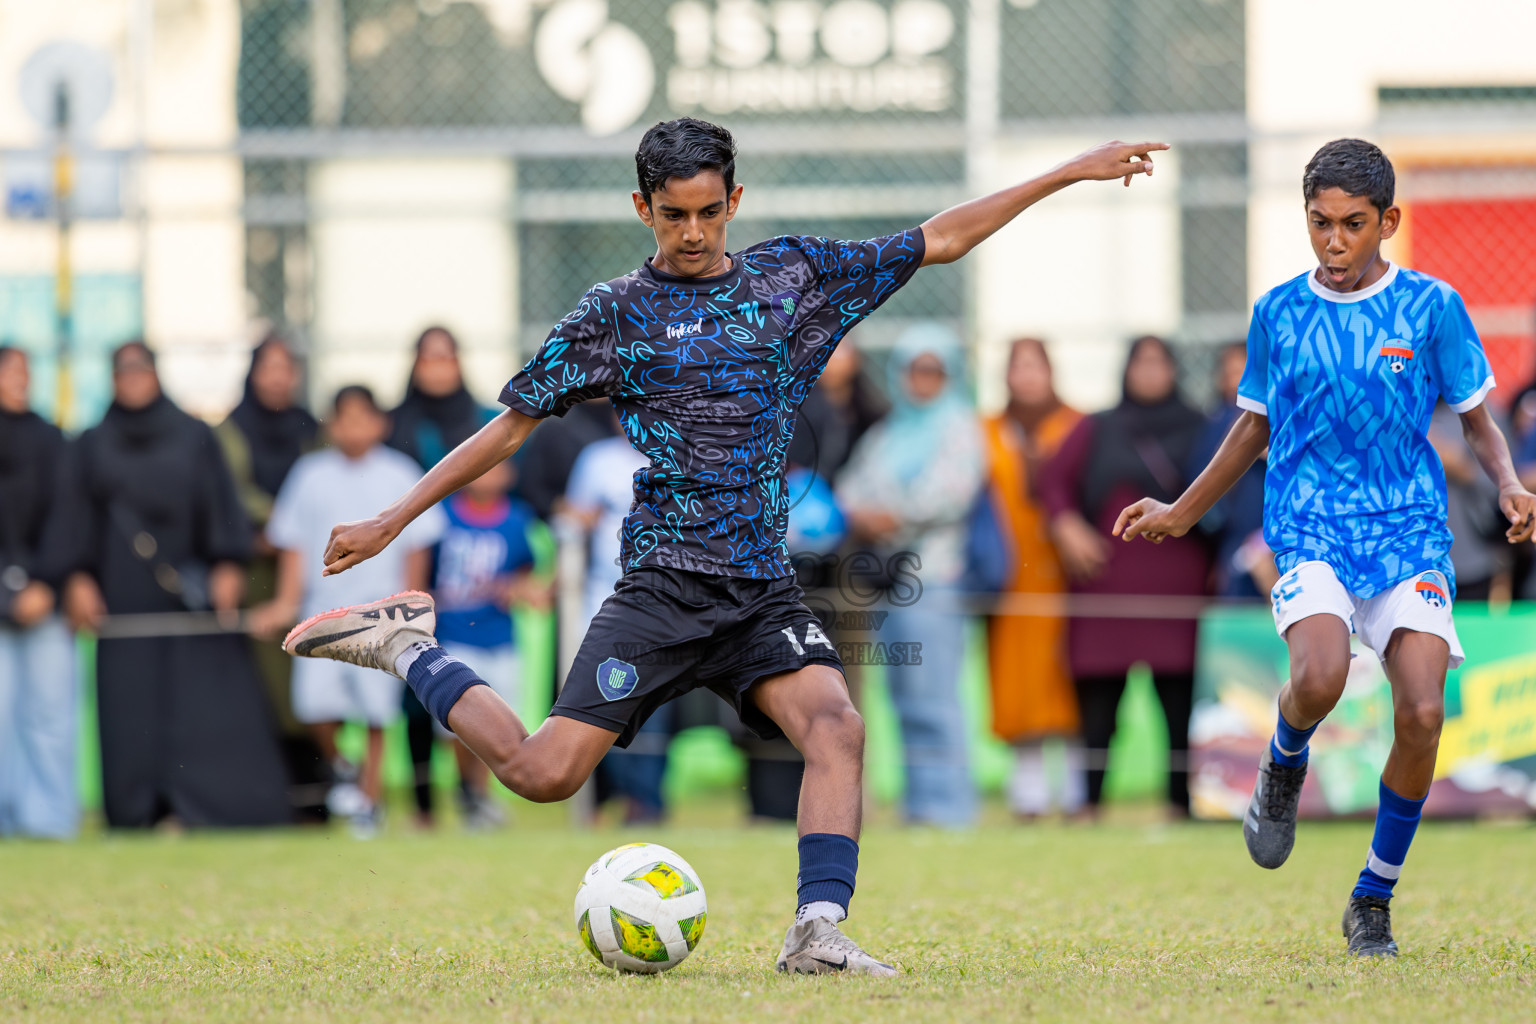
x=262, y=439
x=437, y=414
x=155, y=526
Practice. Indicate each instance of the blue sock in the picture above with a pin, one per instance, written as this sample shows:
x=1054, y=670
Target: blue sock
x=828, y=866
x=1289, y=745
x=1397, y=818
x=439, y=680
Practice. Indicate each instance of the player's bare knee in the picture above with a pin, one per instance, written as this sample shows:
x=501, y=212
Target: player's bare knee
x=1317, y=680
x=835, y=732
x=541, y=783
x=1418, y=722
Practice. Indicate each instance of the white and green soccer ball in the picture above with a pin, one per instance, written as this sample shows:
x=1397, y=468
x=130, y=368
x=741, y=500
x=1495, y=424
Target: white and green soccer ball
x=640, y=908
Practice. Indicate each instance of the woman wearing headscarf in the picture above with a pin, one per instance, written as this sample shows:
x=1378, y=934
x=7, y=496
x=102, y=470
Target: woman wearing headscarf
x=262, y=438
x=436, y=415
x=438, y=412
x=908, y=488
x=38, y=717
x=154, y=527
x=1139, y=446
x=1032, y=695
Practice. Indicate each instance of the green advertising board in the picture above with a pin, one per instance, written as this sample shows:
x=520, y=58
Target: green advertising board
x=1487, y=762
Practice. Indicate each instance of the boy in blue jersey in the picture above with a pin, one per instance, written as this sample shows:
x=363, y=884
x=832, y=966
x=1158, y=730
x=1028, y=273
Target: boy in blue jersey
x=1345, y=365
x=484, y=567
x=706, y=355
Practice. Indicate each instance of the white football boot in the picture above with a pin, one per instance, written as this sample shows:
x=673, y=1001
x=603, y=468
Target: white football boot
x=373, y=635
x=816, y=946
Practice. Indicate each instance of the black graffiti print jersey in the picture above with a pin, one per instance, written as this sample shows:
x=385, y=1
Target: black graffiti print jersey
x=707, y=375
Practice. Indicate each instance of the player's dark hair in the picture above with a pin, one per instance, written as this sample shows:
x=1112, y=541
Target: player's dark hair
x=358, y=393
x=7, y=350
x=681, y=149
x=129, y=348
x=1356, y=168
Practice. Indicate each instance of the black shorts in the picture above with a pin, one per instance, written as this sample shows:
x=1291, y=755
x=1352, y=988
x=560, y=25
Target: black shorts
x=665, y=632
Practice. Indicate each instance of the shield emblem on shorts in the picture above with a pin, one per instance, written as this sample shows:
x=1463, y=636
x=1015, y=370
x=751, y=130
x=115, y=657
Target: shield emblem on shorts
x=617, y=679
x=1433, y=589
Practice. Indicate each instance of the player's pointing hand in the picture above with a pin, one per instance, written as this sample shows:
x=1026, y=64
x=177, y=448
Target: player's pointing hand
x=1114, y=160
x=354, y=542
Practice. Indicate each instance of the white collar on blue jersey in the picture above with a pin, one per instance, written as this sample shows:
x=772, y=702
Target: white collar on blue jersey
x=1322, y=291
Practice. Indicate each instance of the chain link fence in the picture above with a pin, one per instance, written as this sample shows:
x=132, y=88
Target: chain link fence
x=400, y=162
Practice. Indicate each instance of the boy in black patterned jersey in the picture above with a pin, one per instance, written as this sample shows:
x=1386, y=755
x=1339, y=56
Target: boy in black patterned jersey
x=706, y=355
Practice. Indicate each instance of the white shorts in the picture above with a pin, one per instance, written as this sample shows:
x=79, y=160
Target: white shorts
x=1421, y=603
x=335, y=691
x=498, y=666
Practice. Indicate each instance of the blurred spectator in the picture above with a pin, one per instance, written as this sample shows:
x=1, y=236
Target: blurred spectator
x=1032, y=695
x=909, y=486
x=1244, y=566
x=484, y=564
x=599, y=495
x=437, y=414
x=1479, y=552
x=155, y=526
x=1111, y=459
x=262, y=439
x=835, y=415
x=37, y=656
x=351, y=480
x=544, y=469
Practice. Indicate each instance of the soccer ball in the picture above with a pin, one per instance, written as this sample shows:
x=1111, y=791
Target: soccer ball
x=640, y=908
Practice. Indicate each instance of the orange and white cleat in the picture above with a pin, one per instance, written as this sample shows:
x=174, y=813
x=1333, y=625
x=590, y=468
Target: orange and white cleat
x=373, y=635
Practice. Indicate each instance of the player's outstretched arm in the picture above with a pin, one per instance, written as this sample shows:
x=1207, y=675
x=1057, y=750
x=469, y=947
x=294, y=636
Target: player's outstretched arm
x=950, y=235
x=1154, y=520
x=1487, y=443
x=497, y=440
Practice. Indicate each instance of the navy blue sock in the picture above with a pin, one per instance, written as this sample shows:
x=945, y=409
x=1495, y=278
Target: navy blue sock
x=1289, y=745
x=439, y=680
x=828, y=866
x=1397, y=818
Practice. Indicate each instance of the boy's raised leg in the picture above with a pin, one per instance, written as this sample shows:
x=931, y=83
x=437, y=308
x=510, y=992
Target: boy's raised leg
x=395, y=635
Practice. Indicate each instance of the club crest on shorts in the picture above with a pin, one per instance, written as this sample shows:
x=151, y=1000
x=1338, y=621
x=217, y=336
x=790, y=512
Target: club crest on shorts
x=617, y=679
x=1433, y=589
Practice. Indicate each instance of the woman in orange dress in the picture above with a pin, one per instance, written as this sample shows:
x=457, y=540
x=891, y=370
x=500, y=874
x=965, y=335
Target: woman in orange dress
x=1032, y=695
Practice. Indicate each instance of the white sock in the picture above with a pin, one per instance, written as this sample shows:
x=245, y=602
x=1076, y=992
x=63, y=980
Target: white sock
x=1028, y=791
x=1074, y=790
x=407, y=657
x=821, y=908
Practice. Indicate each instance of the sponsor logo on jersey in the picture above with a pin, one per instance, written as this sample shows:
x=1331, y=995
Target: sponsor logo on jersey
x=1433, y=589
x=617, y=679
x=684, y=330
x=1399, y=353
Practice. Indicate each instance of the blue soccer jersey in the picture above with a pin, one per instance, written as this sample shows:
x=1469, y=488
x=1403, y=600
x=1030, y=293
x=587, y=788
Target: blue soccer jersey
x=479, y=548
x=707, y=374
x=1349, y=381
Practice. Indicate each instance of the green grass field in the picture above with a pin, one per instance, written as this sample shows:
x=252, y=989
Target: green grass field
x=1125, y=921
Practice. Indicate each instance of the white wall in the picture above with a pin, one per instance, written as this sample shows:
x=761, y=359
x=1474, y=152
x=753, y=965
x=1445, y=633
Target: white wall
x=1314, y=67
x=403, y=243
x=1086, y=269
x=190, y=246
